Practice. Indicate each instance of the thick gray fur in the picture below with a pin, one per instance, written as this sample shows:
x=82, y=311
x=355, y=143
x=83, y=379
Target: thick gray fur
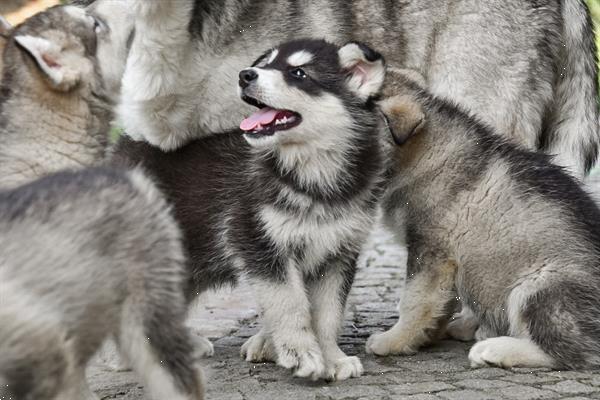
x=85, y=256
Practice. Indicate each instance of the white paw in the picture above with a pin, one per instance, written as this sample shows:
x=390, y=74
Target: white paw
x=305, y=359
x=508, y=352
x=491, y=352
x=345, y=368
x=203, y=347
x=259, y=348
x=386, y=343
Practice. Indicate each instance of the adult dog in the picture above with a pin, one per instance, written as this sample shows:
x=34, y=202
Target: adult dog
x=527, y=68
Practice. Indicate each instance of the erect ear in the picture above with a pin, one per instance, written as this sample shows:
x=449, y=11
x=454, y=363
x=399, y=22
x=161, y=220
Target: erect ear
x=56, y=64
x=366, y=69
x=5, y=26
x=404, y=115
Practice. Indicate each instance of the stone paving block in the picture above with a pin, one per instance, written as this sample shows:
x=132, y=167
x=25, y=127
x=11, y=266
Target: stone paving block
x=521, y=392
x=350, y=392
x=571, y=387
x=469, y=395
x=529, y=379
x=481, y=373
x=482, y=384
x=417, y=388
x=415, y=397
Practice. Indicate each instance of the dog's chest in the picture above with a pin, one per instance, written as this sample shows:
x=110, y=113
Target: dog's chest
x=312, y=237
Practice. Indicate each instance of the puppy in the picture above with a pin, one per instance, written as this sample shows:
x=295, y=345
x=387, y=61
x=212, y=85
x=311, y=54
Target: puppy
x=60, y=81
x=287, y=201
x=87, y=255
x=484, y=219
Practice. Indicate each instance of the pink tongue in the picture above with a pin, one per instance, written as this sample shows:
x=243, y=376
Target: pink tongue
x=262, y=117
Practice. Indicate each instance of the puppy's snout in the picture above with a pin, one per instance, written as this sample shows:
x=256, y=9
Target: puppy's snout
x=247, y=76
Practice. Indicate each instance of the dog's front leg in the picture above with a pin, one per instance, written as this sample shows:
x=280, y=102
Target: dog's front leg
x=328, y=296
x=287, y=321
x=424, y=305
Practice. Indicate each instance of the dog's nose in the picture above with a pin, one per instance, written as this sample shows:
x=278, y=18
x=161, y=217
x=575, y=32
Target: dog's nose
x=247, y=76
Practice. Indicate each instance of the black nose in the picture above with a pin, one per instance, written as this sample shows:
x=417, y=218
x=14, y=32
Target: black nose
x=247, y=76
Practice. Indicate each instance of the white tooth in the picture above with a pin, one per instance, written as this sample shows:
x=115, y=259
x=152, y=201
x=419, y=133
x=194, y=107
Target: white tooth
x=284, y=120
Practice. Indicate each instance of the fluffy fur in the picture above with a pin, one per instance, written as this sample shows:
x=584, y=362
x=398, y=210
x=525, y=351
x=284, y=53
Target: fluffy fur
x=86, y=256
x=60, y=83
x=530, y=74
x=483, y=220
x=288, y=211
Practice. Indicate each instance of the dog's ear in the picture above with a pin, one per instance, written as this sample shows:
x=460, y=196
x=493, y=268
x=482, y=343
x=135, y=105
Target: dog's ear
x=366, y=69
x=61, y=67
x=5, y=26
x=404, y=116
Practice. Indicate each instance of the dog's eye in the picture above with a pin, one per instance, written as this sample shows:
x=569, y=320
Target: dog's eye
x=298, y=73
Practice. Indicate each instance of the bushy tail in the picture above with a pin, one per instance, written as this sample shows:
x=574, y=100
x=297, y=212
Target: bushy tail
x=573, y=133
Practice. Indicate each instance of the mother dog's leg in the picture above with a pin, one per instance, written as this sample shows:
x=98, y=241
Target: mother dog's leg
x=287, y=320
x=429, y=291
x=155, y=83
x=328, y=296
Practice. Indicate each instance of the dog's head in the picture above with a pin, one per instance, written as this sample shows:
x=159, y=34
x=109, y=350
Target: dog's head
x=69, y=47
x=309, y=90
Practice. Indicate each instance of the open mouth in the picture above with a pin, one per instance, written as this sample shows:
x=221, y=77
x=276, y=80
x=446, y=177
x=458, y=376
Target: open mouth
x=266, y=121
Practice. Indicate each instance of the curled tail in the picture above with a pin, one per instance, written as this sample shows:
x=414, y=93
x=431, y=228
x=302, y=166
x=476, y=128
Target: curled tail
x=573, y=133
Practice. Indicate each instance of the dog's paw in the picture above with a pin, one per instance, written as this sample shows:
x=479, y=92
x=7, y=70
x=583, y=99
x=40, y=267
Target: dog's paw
x=491, y=352
x=305, y=359
x=344, y=368
x=388, y=343
x=203, y=347
x=509, y=352
x=259, y=348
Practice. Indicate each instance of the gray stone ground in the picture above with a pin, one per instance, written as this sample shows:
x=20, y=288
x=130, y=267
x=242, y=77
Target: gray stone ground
x=440, y=372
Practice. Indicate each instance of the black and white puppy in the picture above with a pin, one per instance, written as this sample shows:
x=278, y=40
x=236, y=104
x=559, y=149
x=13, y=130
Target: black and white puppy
x=285, y=203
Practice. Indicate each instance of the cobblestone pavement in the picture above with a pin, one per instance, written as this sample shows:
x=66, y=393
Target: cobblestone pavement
x=440, y=372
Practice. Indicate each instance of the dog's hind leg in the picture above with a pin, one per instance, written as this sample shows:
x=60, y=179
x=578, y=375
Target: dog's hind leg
x=160, y=349
x=328, y=296
x=429, y=291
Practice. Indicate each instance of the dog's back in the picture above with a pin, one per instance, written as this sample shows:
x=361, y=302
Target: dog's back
x=91, y=254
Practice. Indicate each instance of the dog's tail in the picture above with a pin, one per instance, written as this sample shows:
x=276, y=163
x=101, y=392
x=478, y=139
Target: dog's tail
x=573, y=132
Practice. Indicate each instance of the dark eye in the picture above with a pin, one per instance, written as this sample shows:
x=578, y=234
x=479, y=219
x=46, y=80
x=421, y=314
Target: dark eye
x=298, y=73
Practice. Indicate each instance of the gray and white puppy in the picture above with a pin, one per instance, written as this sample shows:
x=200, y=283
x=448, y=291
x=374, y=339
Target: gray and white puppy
x=60, y=82
x=531, y=73
x=87, y=255
x=483, y=221
x=286, y=203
